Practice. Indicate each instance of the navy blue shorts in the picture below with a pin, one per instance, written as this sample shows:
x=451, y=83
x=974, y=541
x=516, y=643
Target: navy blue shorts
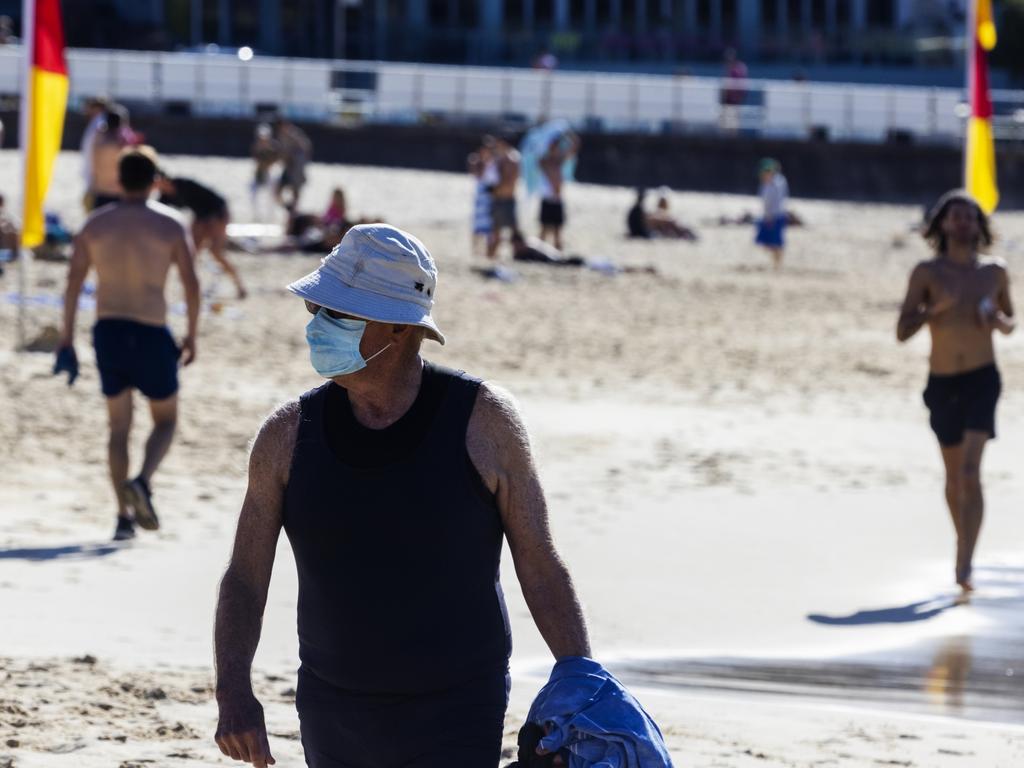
x=458, y=727
x=963, y=401
x=771, y=232
x=131, y=354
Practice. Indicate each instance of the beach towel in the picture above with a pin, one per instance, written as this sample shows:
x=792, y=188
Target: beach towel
x=589, y=712
x=533, y=147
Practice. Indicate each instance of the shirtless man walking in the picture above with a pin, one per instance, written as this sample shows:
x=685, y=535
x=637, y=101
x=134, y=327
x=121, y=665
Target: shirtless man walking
x=132, y=244
x=503, y=196
x=962, y=297
x=552, y=209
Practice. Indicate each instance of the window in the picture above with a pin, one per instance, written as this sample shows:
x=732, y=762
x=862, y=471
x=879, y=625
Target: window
x=880, y=13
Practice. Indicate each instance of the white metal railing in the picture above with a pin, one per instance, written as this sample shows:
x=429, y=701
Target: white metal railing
x=317, y=89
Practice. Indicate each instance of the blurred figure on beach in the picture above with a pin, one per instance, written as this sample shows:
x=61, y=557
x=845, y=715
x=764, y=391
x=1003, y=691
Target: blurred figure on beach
x=210, y=218
x=132, y=243
x=265, y=154
x=734, y=91
x=396, y=482
x=312, y=233
x=503, y=194
x=295, y=151
x=545, y=60
x=483, y=166
x=556, y=166
x=549, y=152
x=771, y=228
x=95, y=112
x=104, y=161
x=10, y=241
x=658, y=223
x=962, y=296
x=7, y=36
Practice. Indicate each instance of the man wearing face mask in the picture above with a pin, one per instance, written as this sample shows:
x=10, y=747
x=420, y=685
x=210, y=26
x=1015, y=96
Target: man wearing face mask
x=395, y=482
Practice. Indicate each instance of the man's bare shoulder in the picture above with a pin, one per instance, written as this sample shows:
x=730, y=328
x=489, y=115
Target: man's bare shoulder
x=274, y=443
x=496, y=418
x=170, y=217
x=280, y=428
x=994, y=263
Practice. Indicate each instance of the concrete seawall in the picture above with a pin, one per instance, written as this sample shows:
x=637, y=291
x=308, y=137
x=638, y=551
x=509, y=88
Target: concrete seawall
x=889, y=172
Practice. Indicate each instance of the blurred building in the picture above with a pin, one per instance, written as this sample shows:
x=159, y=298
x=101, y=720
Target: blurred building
x=639, y=34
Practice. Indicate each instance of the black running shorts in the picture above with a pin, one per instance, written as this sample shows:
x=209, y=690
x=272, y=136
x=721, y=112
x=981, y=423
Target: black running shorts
x=963, y=401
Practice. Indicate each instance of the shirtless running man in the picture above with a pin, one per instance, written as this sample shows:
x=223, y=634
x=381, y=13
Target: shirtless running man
x=962, y=298
x=132, y=244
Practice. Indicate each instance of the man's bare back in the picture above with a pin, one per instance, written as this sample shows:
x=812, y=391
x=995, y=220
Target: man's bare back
x=508, y=169
x=132, y=246
x=955, y=296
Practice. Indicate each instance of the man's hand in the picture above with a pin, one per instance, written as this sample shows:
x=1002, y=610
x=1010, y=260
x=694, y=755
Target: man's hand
x=187, y=350
x=241, y=730
x=66, y=362
x=944, y=301
x=987, y=311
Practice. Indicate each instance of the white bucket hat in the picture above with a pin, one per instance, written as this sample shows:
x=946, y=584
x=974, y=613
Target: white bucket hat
x=377, y=272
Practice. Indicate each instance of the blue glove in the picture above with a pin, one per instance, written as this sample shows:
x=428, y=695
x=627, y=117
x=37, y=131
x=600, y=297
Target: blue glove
x=67, y=361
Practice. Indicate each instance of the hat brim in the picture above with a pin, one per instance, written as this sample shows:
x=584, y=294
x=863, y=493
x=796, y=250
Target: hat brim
x=336, y=295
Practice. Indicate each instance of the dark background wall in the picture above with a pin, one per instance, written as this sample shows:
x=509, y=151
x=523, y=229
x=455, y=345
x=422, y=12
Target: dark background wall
x=891, y=172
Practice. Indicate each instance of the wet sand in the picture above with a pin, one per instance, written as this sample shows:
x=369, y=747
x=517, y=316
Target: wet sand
x=737, y=462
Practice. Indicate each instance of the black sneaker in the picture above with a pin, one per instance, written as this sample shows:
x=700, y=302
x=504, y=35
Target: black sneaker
x=125, y=529
x=137, y=494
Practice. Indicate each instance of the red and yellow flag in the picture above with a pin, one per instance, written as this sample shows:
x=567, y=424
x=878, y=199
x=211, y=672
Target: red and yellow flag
x=43, y=104
x=980, y=152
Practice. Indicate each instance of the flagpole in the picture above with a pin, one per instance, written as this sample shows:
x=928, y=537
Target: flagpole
x=22, y=254
x=970, y=40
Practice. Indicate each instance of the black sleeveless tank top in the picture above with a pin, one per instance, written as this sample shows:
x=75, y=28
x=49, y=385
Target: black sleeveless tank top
x=398, y=559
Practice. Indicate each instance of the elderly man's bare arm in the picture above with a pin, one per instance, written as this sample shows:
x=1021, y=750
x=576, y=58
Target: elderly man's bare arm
x=241, y=732
x=500, y=449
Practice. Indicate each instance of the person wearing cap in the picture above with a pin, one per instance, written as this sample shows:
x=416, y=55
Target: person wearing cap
x=133, y=243
x=962, y=297
x=774, y=195
x=396, y=482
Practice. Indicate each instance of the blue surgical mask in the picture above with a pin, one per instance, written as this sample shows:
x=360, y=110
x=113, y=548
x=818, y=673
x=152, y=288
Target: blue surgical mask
x=334, y=345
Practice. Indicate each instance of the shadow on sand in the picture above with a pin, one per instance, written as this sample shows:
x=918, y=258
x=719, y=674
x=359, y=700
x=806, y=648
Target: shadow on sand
x=919, y=611
x=68, y=552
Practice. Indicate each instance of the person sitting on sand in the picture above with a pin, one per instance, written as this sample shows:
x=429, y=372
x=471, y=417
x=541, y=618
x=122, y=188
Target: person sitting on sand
x=396, y=482
x=133, y=243
x=321, y=234
x=209, y=219
x=660, y=223
x=962, y=297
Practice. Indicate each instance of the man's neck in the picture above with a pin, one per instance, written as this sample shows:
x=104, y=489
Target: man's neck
x=135, y=197
x=378, y=402
x=962, y=254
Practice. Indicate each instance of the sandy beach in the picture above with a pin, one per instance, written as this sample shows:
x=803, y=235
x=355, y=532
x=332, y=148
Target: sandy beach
x=738, y=466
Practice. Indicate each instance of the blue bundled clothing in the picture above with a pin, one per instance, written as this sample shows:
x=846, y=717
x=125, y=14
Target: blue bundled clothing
x=591, y=714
